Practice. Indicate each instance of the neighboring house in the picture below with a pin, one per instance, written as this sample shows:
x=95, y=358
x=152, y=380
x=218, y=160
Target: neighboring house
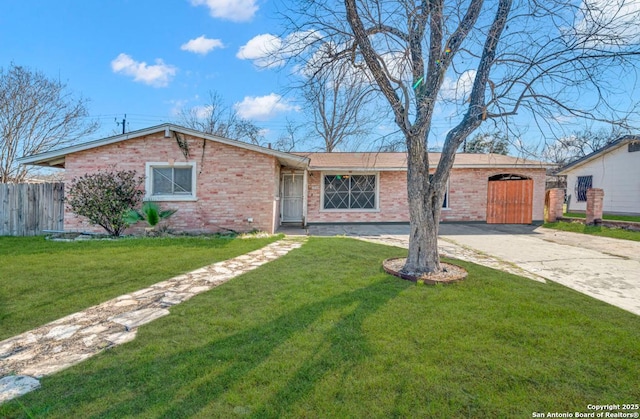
x=615, y=168
x=217, y=183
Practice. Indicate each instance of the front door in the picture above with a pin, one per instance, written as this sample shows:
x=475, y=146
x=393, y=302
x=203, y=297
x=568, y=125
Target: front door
x=291, y=197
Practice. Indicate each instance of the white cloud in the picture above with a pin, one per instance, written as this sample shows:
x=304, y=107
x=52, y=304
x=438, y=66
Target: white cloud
x=459, y=89
x=608, y=22
x=262, y=50
x=266, y=50
x=202, y=111
x=263, y=107
x=157, y=75
x=202, y=45
x=234, y=10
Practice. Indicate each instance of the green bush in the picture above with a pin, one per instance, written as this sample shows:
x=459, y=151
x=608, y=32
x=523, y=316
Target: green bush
x=105, y=198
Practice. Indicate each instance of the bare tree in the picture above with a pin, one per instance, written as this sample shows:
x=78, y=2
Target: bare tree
x=496, y=143
x=569, y=148
x=216, y=118
x=37, y=114
x=290, y=139
x=339, y=98
x=480, y=61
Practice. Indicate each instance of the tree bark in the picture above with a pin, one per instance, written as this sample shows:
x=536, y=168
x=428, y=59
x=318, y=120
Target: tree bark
x=424, y=208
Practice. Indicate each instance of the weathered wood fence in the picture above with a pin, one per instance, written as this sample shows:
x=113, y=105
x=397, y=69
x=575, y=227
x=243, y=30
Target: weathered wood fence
x=26, y=209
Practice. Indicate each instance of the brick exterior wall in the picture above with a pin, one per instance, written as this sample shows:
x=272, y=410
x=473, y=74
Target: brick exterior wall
x=595, y=197
x=467, y=197
x=554, y=204
x=232, y=184
x=392, y=205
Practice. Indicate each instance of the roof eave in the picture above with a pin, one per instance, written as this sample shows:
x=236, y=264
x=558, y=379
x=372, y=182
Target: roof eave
x=596, y=154
x=56, y=158
x=455, y=166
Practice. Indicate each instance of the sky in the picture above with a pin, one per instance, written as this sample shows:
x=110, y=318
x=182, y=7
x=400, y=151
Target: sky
x=148, y=59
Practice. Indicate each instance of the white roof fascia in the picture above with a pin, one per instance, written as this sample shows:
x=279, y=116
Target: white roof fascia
x=593, y=156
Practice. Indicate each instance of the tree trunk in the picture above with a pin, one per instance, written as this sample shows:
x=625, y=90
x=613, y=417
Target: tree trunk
x=425, y=201
x=423, y=240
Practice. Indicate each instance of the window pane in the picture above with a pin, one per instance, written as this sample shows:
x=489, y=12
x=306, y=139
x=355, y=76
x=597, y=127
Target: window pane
x=363, y=200
x=336, y=200
x=582, y=185
x=162, y=181
x=182, y=180
x=363, y=183
x=349, y=192
x=336, y=192
x=363, y=191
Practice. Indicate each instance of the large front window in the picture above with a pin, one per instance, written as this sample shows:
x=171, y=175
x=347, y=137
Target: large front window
x=170, y=182
x=349, y=192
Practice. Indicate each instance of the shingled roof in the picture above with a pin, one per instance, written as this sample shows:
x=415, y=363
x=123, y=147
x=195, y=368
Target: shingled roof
x=398, y=161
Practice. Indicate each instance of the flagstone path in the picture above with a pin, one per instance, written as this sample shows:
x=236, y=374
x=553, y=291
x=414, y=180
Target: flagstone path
x=74, y=338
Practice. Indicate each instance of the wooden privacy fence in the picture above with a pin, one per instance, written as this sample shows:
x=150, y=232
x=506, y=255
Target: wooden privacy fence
x=26, y=209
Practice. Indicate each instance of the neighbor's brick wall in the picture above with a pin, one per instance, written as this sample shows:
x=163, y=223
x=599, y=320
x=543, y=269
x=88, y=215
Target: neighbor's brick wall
x=232, y=184
x=595, y=197
x=467, y=197
x=555, y=203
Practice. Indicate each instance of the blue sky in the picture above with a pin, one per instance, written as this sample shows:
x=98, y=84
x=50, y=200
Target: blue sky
x=148, y=59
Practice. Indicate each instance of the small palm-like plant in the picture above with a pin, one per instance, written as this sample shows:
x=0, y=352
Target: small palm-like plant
x=150, y=212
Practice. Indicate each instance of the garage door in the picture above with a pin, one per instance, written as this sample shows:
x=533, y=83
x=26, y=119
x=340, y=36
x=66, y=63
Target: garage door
x=509, y=200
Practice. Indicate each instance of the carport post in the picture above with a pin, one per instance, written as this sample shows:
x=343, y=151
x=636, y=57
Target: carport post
x=595, y=196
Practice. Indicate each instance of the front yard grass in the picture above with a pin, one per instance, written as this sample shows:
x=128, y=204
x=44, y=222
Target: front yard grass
x=324, y=332
x=41, y=281
x=615, y=233
x=612, y=217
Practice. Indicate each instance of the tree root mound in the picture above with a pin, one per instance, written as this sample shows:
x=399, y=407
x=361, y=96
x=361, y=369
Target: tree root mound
x=450, y=272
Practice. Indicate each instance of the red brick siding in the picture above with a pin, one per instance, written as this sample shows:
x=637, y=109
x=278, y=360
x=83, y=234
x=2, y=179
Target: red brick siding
x=232, y=184
x=392, y=205
x=467, y=197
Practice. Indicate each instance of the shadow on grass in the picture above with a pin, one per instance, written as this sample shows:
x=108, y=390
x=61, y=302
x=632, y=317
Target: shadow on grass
x=205, y=373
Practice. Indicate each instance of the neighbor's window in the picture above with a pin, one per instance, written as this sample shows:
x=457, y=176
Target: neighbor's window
x=582, y=185
x=170, y=182
x=349, y=192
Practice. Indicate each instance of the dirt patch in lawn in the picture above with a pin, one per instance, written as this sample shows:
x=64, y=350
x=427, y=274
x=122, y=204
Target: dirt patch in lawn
x=450, y=272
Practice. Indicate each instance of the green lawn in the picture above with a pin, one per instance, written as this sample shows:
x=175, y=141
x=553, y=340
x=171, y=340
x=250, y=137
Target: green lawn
x=324, y=332
x=41, y=281
x=577, y=227
x=607, y=217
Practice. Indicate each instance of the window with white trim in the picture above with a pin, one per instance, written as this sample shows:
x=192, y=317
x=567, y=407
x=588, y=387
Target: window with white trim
x=583, y=183
x=170, y=182
x=349, y=192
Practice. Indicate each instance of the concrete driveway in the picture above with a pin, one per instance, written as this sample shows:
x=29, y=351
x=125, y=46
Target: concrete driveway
x=603, y=268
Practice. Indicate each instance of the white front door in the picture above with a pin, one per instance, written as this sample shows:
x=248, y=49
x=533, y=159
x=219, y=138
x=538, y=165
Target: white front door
x=292, y=194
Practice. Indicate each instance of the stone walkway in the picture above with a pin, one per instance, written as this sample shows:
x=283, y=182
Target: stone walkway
x=74, y=338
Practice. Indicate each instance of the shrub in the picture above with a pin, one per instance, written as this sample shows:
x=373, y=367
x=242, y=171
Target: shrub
x=105, y=198
x=150, y=212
